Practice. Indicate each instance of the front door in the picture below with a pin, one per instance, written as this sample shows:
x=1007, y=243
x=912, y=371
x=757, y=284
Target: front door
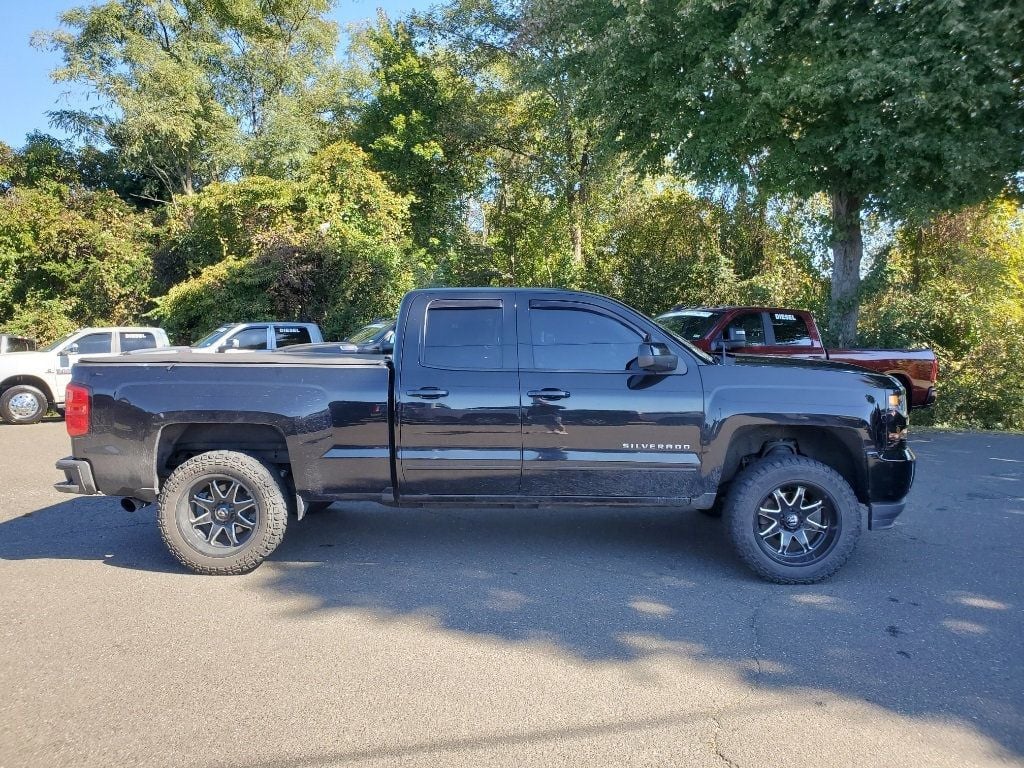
x=593, y=424
x=457, y=397
x=89, y=345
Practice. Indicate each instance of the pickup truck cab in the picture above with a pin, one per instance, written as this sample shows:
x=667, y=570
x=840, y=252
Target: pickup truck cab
x=33, y=382
x=254, y=337
x=377, y=338
x=794, y=333
x=495, y=396
x=9, y=343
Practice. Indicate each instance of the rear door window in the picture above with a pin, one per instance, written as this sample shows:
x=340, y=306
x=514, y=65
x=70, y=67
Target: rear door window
x=463, y=337
x=790, y=330
x=133, y=340
x=289, y=335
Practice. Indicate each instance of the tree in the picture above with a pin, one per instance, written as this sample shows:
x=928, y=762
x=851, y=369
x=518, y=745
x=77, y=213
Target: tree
x=331, y=247
x=907, y=108
x=70, y=257
x=192, y=90
x=423, y=126
x=957, y=285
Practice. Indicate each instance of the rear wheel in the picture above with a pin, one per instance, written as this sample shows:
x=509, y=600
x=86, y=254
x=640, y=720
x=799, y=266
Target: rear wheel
x=792, y=520
x=22, y=404
x=222, y=512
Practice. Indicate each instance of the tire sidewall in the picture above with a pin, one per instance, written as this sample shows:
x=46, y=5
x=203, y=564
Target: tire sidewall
x=757, y=482
x=261, y=482
x=8, y=395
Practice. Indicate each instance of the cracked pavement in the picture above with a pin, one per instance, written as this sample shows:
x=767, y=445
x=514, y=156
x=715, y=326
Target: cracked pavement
x=505, y=637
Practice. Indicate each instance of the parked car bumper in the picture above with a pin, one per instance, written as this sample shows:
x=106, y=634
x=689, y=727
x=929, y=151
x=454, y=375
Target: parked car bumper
x=77, y=477
x=890, y=475
x=929, y=398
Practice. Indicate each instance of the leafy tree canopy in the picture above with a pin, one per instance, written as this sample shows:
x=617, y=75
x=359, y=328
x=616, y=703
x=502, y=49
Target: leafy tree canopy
x=192, y=90
x=908, y=107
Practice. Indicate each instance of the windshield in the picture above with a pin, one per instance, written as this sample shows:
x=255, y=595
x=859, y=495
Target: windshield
x=369, y=332
x=58, y=342
x=208, y=341
x=690, y=324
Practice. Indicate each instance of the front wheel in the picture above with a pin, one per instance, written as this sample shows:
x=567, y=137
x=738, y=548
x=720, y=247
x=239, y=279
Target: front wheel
x=22, y=404
x=222, y=512
x=792, y=520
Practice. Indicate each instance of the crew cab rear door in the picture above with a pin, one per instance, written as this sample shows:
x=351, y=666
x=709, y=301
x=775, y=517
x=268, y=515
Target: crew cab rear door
x=457, y=396
x=594, y=425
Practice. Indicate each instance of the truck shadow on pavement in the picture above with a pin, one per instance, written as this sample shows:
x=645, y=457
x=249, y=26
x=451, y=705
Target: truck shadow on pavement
x=87, y=528
x=909, y=624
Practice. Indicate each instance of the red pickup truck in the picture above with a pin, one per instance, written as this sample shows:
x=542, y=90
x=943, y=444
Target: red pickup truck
x=793, y=333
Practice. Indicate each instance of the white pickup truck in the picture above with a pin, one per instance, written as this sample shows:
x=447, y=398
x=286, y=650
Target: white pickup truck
x=33, y=382
x=255, y=337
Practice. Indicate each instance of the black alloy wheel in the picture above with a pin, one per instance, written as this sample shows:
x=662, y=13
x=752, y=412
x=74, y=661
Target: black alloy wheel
x=796, y=524
x=791, y=519
x=223, y=512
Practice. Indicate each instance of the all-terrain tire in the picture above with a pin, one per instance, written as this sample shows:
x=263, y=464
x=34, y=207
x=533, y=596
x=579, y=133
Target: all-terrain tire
x=261, y=484
x=755, y=487
x=22, y=404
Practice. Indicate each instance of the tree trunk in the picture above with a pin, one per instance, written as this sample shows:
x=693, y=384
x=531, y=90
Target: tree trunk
x=576, y=238
x=847, y=251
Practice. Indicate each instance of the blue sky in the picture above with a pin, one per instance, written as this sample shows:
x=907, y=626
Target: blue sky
x=26, y=92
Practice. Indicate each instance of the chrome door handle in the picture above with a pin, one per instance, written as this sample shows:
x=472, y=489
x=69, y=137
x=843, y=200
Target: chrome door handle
x=428, y=393
x=548, y=394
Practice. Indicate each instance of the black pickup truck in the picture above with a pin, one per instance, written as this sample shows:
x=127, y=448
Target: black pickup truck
x=523, y=396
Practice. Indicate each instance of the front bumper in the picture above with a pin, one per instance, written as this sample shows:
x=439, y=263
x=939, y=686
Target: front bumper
x=77, y=477
x=890, y=475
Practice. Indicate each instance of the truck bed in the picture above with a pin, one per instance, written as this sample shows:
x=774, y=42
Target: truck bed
x=330, y=412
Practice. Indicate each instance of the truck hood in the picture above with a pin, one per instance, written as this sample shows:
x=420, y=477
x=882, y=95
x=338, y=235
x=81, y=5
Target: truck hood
x=815, y=365
x=24, y=362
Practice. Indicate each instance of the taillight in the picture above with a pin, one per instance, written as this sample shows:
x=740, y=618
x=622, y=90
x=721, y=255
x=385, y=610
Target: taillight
x=77, y=404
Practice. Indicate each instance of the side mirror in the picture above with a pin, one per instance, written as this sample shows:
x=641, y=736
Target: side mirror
x=737, y=340
x=71, y=350
x=387, y=347
x=229, y=344
x=655, y=357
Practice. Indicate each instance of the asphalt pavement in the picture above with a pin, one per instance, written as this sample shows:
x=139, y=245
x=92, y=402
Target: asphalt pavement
x=508, y=637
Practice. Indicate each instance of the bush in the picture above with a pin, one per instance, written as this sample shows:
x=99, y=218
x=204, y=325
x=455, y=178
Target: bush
x=332, y=248
x=71, y=257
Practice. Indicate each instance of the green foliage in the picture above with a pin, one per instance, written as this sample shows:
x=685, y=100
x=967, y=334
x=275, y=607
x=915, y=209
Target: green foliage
x=663, y=249
x=232, y=290
x=332, y=248
x=44, y=320
x=957, y=285
x=915, y=104
x=221, y=222
x=907, y=108
x=69, y=256
x=422, y=126
x=192, y=90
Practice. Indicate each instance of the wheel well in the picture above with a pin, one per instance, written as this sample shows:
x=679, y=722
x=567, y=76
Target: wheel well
x=180, y=442
x=30, y=381
x=833, y=448
x=902, y=379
